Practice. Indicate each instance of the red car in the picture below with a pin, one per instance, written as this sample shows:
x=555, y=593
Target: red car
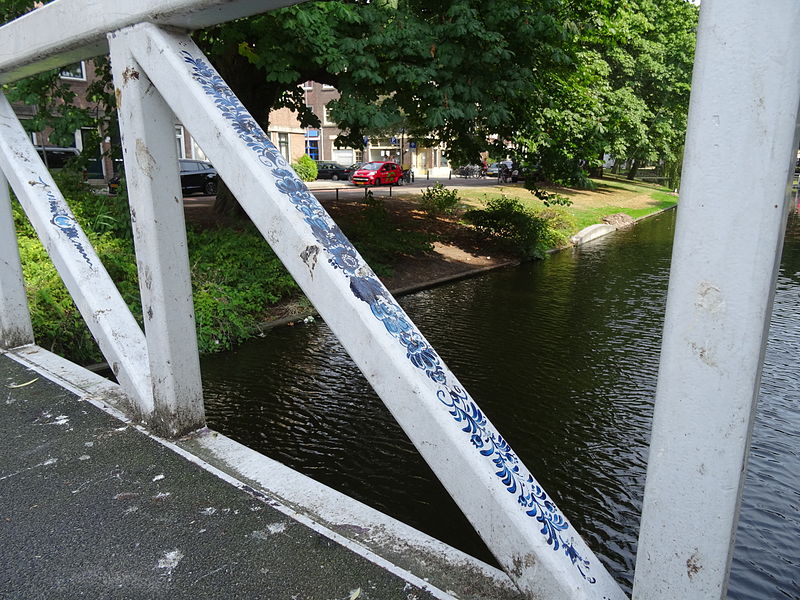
x=378, y=173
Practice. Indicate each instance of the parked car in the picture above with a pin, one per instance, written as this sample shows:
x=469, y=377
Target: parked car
x=378, y=173
x=333, y=171
x=506, y=169
x=493, y=170
x=198, y=176
x=353, y=168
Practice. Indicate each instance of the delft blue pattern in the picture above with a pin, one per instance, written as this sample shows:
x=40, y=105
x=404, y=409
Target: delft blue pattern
x=367, y=288
x=62, y=219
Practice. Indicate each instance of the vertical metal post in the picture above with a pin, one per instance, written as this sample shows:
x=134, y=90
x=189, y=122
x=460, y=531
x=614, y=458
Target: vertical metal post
x=740, y=153
x=15, y=319
x=151, y=166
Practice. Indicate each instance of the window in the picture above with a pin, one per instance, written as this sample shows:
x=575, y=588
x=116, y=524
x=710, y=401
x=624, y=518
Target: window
x=312, y=149
x=308, y=85
x=325, y=86
x=283, y=145
x=325, y=118
x=179, y=141
x=75, y=71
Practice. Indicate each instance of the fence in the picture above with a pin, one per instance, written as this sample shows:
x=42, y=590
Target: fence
x=719, y=300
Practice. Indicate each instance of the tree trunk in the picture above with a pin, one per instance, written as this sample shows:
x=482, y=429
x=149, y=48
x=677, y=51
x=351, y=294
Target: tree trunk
x=226, y=204
x=597, y=171
x=634, y=168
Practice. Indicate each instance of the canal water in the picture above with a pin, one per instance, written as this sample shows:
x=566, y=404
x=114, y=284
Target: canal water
x=562, y=355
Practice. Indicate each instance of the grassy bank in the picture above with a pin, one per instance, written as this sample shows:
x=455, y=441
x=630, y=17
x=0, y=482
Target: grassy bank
x=238, y=281
x=588, y=207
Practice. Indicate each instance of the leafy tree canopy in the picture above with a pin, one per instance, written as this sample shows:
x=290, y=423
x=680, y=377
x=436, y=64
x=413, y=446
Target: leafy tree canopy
x=457, y=71
x=561, y=83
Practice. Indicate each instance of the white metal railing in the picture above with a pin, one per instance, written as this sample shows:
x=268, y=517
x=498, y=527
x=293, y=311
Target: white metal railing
x=713, y=341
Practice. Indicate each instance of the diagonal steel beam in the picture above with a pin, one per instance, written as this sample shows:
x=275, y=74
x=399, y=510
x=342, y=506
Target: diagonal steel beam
x=520, y=523
x=120, y=339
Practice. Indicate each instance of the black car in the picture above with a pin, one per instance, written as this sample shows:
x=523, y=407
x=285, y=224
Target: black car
x=333, y=171
x=198, y=176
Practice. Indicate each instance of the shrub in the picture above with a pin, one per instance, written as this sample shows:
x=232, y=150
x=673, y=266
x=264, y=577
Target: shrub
x=521, y=230
x=235, y=278
x=560, y=226
x=379, y=241
x=438, y=200
x=305, y=168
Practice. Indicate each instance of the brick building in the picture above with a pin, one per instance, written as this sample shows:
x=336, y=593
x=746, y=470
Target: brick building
x=284, y=131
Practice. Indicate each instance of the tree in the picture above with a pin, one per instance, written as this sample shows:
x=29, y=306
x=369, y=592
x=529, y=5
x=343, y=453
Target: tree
x=649, y=81
x=456, y=72
x=626, y=95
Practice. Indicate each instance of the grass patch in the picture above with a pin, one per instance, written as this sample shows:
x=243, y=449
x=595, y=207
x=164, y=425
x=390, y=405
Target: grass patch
x=588, y=207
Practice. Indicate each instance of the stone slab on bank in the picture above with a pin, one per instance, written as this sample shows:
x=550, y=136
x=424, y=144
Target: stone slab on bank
x=92, y=507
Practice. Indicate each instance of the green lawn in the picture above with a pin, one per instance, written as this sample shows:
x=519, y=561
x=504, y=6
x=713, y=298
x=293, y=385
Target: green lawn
x=588, y=207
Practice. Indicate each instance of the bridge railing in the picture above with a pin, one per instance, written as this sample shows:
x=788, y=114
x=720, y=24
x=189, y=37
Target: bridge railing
x=158, y=72
x=725, y=261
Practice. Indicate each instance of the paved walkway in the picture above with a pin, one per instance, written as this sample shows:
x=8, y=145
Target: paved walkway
x=92, y=508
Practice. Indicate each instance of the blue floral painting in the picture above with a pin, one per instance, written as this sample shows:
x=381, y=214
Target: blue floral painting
x=62, y=218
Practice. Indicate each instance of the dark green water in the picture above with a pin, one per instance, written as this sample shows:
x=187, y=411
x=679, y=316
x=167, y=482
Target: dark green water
x=562, y=355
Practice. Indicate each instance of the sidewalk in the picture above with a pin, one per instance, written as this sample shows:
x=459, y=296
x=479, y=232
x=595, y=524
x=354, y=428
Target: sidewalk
x=92, y=507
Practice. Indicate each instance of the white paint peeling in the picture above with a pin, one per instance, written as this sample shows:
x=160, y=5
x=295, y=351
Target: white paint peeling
x=270, y=530
x=158, y=477
x=208, y=511
x=84, y=457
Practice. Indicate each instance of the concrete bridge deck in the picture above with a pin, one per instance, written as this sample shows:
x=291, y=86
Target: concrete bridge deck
x=91, y=506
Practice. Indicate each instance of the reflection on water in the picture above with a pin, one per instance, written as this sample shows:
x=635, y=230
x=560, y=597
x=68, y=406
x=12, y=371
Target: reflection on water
x=562, y=355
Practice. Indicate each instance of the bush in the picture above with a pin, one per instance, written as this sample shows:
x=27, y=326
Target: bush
x=236, y=277
x=305, y=168
x=438, y=200
x=525, y=233
x=379, y=241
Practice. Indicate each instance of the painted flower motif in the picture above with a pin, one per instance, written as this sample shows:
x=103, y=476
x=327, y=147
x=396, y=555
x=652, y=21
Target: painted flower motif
x=367, y=289
x=344, y=257
x=288, y=183
x=62, y=219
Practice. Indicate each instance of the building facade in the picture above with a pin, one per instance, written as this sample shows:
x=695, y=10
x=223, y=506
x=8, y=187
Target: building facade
x=284, y=130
